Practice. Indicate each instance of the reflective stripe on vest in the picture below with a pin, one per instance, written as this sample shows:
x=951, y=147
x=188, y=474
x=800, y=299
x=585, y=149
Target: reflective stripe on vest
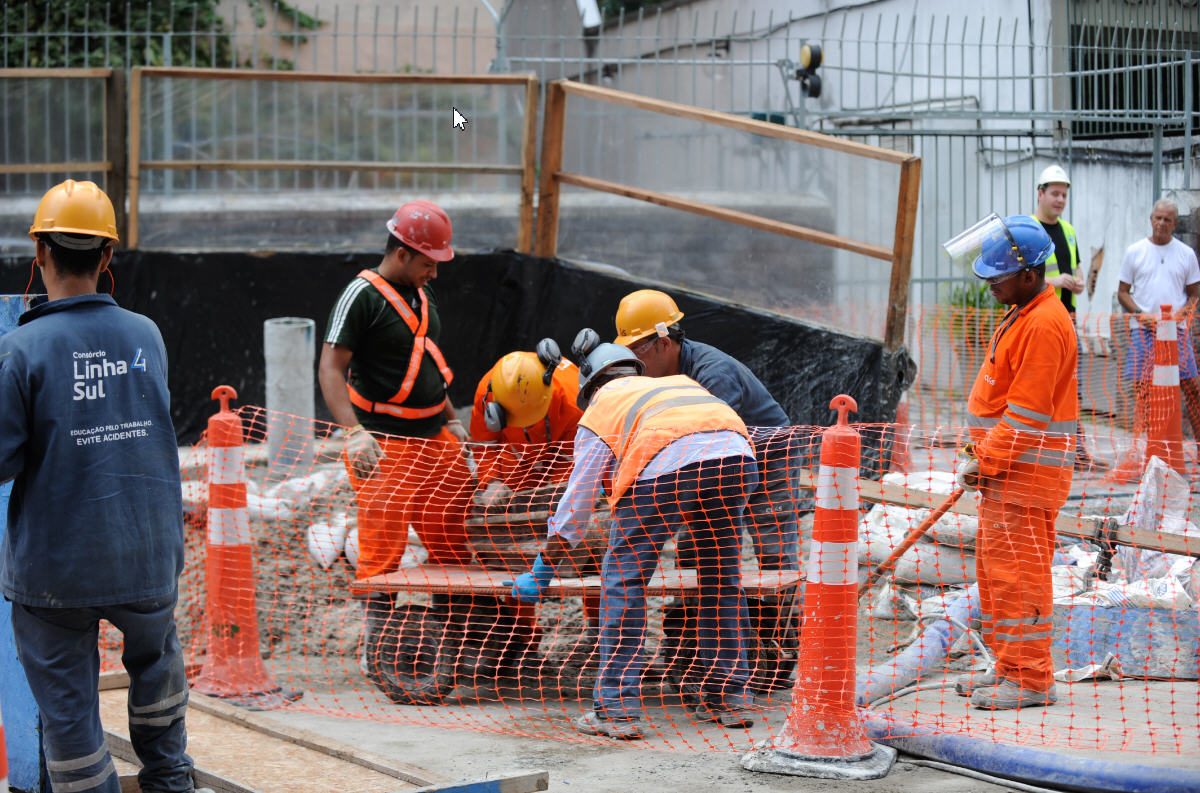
x=421, y=344
x=1052, y=263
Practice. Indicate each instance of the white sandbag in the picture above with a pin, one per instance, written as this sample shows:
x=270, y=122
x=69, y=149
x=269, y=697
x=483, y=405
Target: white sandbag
x=351, y=547
x=268, y=508
x=326, y=541
x=883, y=529
x=936, y=565
x=951, y=528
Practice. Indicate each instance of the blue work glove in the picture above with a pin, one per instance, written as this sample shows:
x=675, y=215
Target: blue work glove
x=528, y=587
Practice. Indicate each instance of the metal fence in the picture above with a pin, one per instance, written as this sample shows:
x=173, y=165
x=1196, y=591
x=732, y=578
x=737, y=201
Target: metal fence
x=985, y=102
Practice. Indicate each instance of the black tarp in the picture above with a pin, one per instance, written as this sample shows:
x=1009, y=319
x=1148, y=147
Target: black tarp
x=211, y=308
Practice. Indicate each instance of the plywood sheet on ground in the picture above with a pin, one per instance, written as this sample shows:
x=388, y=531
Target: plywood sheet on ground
x=256, y=760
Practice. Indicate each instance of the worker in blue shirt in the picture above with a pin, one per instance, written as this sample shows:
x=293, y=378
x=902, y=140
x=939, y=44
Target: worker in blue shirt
x=95, y=520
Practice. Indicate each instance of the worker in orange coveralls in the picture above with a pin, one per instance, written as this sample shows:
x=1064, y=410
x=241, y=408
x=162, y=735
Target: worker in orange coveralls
x=1023, y=410
x=383, y=376
x=525, y=414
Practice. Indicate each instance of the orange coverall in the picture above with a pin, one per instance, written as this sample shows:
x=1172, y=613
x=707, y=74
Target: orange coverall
x=1023, y=410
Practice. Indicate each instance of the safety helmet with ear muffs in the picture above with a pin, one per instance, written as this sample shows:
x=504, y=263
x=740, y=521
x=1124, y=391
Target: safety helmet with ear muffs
x=520, y=390
x=601, y=365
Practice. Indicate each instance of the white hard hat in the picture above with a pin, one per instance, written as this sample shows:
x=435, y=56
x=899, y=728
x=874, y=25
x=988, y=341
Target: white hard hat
x=1053, y=174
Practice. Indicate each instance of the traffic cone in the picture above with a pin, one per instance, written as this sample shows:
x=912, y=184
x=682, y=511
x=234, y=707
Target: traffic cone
x=233, y=668
x=1161, y=408
x=824, y=736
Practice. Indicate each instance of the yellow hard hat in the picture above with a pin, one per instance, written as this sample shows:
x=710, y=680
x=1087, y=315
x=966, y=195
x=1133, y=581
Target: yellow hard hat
x=75, y=208
x=520, y=387
x=644, y=312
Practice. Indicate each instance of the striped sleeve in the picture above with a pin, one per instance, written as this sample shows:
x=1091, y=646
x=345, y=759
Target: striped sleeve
x=342, y=329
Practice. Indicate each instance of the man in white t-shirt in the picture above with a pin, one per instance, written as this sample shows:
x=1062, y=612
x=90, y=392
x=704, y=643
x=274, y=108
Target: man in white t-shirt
x=1157, y=271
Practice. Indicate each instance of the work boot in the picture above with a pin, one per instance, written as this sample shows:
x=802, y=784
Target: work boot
x=965, y=685
x=592, y=724
x=732, y=716
x=1008, y=695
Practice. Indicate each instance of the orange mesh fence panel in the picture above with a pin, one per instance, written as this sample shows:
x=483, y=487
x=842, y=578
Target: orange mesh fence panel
x=433, y=637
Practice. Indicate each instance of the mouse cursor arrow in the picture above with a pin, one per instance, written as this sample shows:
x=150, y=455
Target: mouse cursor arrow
x=459, y=121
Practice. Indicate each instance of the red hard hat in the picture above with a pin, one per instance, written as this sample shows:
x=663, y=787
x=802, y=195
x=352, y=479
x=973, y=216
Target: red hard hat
x=425, y=227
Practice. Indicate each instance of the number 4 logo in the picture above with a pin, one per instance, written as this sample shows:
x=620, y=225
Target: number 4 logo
x=138, y=361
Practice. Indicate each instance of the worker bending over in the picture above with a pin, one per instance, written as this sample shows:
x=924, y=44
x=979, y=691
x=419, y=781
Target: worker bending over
x=664, y=450
x=1023, y=411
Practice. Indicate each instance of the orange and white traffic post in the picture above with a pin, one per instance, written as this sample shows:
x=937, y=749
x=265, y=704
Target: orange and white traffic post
x=233, y=667
x=824, y=736
x=1161, y=407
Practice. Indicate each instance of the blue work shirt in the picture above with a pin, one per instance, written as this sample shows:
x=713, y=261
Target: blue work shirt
x=96, y=514
x=728, y=379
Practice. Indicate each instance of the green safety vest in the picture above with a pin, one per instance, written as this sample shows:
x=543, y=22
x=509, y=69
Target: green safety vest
x=1052, y=263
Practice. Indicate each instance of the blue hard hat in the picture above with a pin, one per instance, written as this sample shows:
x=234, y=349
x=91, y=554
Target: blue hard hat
x=1017, y=243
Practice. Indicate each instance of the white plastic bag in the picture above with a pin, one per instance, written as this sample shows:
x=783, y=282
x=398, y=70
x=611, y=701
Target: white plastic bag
x=326, y=539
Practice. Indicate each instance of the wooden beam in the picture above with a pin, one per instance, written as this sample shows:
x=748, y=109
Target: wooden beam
x=731, y=121
x=517, y=783
x=135, y=152
x=528, y=168
x=56, y=167
x=68, y=74
x=552, y=154
x=1071, y=525
x=121, y=748
x=332, y=77
x=902, y=248
x=325, y=165
x=729, y=215
x=116, y=180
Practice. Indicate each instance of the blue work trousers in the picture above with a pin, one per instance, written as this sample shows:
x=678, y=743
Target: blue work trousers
x=711, y=497
x=59, y=652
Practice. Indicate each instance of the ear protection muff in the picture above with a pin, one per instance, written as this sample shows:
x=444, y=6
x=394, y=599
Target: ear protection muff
x=494, y=417
x=585, y=341
x=549, y=356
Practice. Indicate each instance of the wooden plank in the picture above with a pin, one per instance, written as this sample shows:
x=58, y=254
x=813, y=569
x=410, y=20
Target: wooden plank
x=56, y=167
x=906, y=225
x=333, y=77
x=528, y=168
x=733, y=122
x=120, y=747
x=116, y=180
x=552, y=155
x=1071, y=525
x=135, y=152
x=326, y=165
x=730, y=215
x=68, y=74
x=254, y=759
x=480, y=581
x=517, y=783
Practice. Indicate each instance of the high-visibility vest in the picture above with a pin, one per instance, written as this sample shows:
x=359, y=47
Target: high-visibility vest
x=1023, y=408
x=639, y=416
x=1052, y=269
x=422, y=344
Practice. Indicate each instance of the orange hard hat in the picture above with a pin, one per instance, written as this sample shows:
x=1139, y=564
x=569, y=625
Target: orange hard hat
x=75, y=208
x=643, y=313
x=424, y=227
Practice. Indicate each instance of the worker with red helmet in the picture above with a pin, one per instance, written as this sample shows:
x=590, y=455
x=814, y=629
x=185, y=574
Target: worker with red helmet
x=384, y=377
x=525, y=414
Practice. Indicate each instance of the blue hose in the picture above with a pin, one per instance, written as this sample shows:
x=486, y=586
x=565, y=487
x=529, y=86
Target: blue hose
x=926, y=654
x=1031, y=766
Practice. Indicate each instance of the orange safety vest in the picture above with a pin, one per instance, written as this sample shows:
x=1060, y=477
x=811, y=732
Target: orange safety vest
x=421, y=344
x=639, y=416
x=1024, y=407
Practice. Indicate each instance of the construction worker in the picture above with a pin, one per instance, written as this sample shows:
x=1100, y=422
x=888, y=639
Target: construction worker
x=384, y=378
x=1160, y=270
x=525, y=410
x=662, y=449
x=1023, y=409
x=1063, y=269
x=648, y=324
x=95, y=520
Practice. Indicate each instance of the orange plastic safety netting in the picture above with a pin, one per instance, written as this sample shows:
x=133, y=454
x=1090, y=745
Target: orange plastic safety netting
x=434, y=637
